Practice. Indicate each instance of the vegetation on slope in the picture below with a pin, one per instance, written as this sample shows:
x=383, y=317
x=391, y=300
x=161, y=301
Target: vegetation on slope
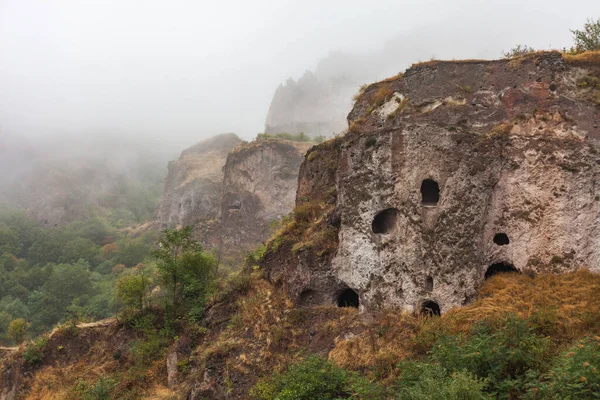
x=49, y=276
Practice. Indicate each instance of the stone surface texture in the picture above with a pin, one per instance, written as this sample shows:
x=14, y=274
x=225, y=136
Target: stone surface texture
x=512, y=145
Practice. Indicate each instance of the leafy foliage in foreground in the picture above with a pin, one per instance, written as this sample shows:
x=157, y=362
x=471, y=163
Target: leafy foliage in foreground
x=316, y=379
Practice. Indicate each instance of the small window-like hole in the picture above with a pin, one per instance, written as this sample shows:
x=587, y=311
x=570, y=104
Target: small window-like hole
x=430, y=192
x=501, y=239
x=430, y=308
x=429, y=284
x=348, y=298
x=385, y=221
x=499, y=268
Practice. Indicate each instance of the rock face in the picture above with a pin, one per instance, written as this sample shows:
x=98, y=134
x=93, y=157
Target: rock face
x=259, y=186
x=451, y=173
x=193, y=187
x=310, y=105
x=231, y=191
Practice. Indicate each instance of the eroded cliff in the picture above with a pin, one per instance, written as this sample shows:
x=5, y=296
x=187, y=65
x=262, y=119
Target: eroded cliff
x=193, y=187
x=450, y=173
x=231, y=191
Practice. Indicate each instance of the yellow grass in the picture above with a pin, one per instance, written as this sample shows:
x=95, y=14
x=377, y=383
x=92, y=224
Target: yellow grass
x=566, y=307
x=585, y=57
x=570, y=300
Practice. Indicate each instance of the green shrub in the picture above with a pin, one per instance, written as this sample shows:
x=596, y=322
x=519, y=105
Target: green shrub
x=315, y=379
x=101, y=390
x=34, y=352
x=255, y=257
x=587, y=39
x=421, y=381
x=575, y=374
x=519, y=51
x=501, y=355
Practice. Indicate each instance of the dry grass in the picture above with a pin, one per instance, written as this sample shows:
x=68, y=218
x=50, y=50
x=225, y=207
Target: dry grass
x=564, y=307
x=585, y=57
x=568, y=302
x=383, y=94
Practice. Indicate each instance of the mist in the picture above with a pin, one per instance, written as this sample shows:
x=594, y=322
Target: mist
x=180, y=71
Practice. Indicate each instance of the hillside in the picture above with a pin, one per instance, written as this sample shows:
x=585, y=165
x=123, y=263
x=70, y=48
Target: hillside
x=443, y=248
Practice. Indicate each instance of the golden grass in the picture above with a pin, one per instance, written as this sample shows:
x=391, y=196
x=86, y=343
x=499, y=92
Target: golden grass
x=383, y=94
x=565, y=307
x=585, y=57
x=568, y=301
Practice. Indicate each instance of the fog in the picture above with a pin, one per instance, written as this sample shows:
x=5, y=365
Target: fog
x=178, y=71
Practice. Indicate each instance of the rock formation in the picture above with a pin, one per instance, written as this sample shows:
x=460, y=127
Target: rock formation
x=450, y=173
x=231, y=191
x=259, y=187
x=193, y=187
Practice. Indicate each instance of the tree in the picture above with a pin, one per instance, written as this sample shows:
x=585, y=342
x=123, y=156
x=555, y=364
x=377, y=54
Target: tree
x=132, y=289
x=17, y=329
x=184, y=268
x=9, y=241
x=587, y=39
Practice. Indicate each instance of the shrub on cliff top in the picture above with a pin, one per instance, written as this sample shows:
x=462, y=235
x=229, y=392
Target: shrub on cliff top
x=587, y=39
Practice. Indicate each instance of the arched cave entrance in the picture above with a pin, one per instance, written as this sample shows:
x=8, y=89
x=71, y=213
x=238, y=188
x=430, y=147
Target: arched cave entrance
x=501, y=239
x=430, y=308
x=385, y=221
x=499, y=268
x=430, y=193
x=348, y=298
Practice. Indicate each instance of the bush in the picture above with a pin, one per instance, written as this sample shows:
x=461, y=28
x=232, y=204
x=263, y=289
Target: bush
x=34, y=353
x=519, y=51
x=256, y=256
x=17, y=329
x=587, y=39
x=315, y=379
x=420, y=381
x=502, y=356
x=575, y=374
x=101, y=390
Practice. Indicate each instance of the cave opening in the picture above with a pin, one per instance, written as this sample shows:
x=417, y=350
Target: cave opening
x=501, y=239
x=307, y=297
x=430, y=308
x=430, y=193
x=499, y=268
x=385, y=221
x=348, y=298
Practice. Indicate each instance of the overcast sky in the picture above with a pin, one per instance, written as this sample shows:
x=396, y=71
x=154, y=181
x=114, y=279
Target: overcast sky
x=180, y=70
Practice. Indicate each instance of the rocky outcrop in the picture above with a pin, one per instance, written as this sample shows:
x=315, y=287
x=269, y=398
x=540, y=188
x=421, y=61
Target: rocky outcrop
x=232, y=191
x=193, y=187
x=259, y=187
x=310, y=105
x=450, y=173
